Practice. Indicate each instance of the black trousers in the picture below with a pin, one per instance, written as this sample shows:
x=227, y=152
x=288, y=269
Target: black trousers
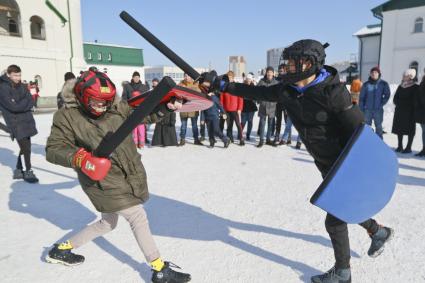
x=279, y=115
x=233, y=118
x=214, y=130
x=338, y=233
x=25, y=150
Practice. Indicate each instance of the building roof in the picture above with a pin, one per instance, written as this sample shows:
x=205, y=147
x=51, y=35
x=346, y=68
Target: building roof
x=369, y=30
x=111, y=54
x=396, y=5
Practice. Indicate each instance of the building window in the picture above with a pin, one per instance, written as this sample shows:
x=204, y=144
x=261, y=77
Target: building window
x=109, y=56
x=37, y=28
x=89, y=57
x=99, y=56
x=9, y=18
x=414, y=65
x=419, y=25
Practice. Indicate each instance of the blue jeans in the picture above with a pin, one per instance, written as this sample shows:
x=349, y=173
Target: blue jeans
x=247, y=117
x=377, y=116
x=213, y=126
x=183, y=127
x=287, y=133
x=269, y=127
x=423, y=136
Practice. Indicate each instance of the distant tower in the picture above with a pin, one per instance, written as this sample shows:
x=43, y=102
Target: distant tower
x=237, y=64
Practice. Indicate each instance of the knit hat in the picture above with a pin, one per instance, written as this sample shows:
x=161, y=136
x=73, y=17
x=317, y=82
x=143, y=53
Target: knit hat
x=155, y=80
x=376, y=68
x=69, y=76
x=135, y=74
x=249, y=77
x=411, y=73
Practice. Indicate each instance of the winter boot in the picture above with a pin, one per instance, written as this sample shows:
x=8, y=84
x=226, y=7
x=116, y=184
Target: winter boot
x=399, y=149
x=298, y=145
x=30, y=177
x=212, y=142
x=260, y=144
x=61, y=253
x=202, y=139
x=420, y=153
x=168, y=275
x=282, y=142
x=269, y=142
x=241, y=142
x=407, y=150
x=198, y=142
x=289, y=142
x=18, y=174
x=334, y=275
x=182, y=142
x=379, y=239
x=226, y=143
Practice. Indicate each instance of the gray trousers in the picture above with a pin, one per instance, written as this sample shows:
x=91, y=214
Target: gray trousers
x=135, y=216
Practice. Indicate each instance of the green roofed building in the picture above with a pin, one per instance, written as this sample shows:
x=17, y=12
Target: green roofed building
x=119, y=62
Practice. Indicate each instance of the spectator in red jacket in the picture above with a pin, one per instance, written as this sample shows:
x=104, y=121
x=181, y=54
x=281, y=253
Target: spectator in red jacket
x=233, y=106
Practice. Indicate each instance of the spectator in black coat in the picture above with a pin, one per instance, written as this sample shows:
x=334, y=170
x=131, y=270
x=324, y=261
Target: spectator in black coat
x=135, y=85
x=420, y=113
x=165, y=131
x=404, y=115
x=16, y=105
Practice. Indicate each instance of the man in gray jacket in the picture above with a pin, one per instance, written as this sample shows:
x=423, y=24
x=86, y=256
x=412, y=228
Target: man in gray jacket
x=267, y=110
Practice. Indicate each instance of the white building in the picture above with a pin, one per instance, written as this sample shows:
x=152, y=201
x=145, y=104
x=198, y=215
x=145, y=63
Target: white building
x=173, y=72
x=237, y=65
x=36, y=35
x=369, y=42
x=402, y=42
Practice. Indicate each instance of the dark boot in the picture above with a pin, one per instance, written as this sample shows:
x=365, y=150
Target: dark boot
x=298, y=145
x=260, y=144
x=407, y=150
x=61, y=253
x=182, y=142
x=30, y=177
x=168, y=275
x=226, y=143
x=198, y=142
x=212, y=142
x=421, y=153
x=334, y=275
x=379, y=239
x=399, y=149
x=242, y=143
x=18, y=174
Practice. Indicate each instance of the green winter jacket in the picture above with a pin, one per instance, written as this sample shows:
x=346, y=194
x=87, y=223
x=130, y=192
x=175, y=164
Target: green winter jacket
x=125, y=185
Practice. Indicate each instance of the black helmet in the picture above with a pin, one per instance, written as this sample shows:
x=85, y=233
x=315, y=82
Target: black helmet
x=301, y=51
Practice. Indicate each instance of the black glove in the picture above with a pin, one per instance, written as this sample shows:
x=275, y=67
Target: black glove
x=216, y=83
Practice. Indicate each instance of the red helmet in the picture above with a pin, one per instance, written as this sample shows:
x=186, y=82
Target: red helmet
x=95, y=92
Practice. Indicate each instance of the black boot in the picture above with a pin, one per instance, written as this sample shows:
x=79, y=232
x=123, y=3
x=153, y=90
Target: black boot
x=64, y=256
x=212, y=142
x=379, y=239
x=30, y=177
x=334, y=275
x=399, y=149
x=420, y=153
x=226, y=143
x=298, y=145
x=260, y=144
x=167, y=275
x=241, y=142
x=198, y=142
x=18, y=174
x=407, y=150
x=182, y=142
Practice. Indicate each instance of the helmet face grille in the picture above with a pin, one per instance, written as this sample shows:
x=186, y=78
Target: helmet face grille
x=95, y=86
x=296, y=57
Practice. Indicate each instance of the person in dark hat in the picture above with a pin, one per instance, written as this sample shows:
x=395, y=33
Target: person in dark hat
x=134, y=85
x=374, y=94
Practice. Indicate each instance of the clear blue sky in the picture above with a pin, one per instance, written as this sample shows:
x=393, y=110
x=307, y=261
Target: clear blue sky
x=210, y=31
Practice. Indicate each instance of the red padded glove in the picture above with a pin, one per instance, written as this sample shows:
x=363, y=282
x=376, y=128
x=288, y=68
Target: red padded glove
x=96, y=168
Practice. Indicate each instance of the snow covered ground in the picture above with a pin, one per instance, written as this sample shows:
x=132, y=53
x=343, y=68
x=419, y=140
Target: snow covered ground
x=235, y=215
